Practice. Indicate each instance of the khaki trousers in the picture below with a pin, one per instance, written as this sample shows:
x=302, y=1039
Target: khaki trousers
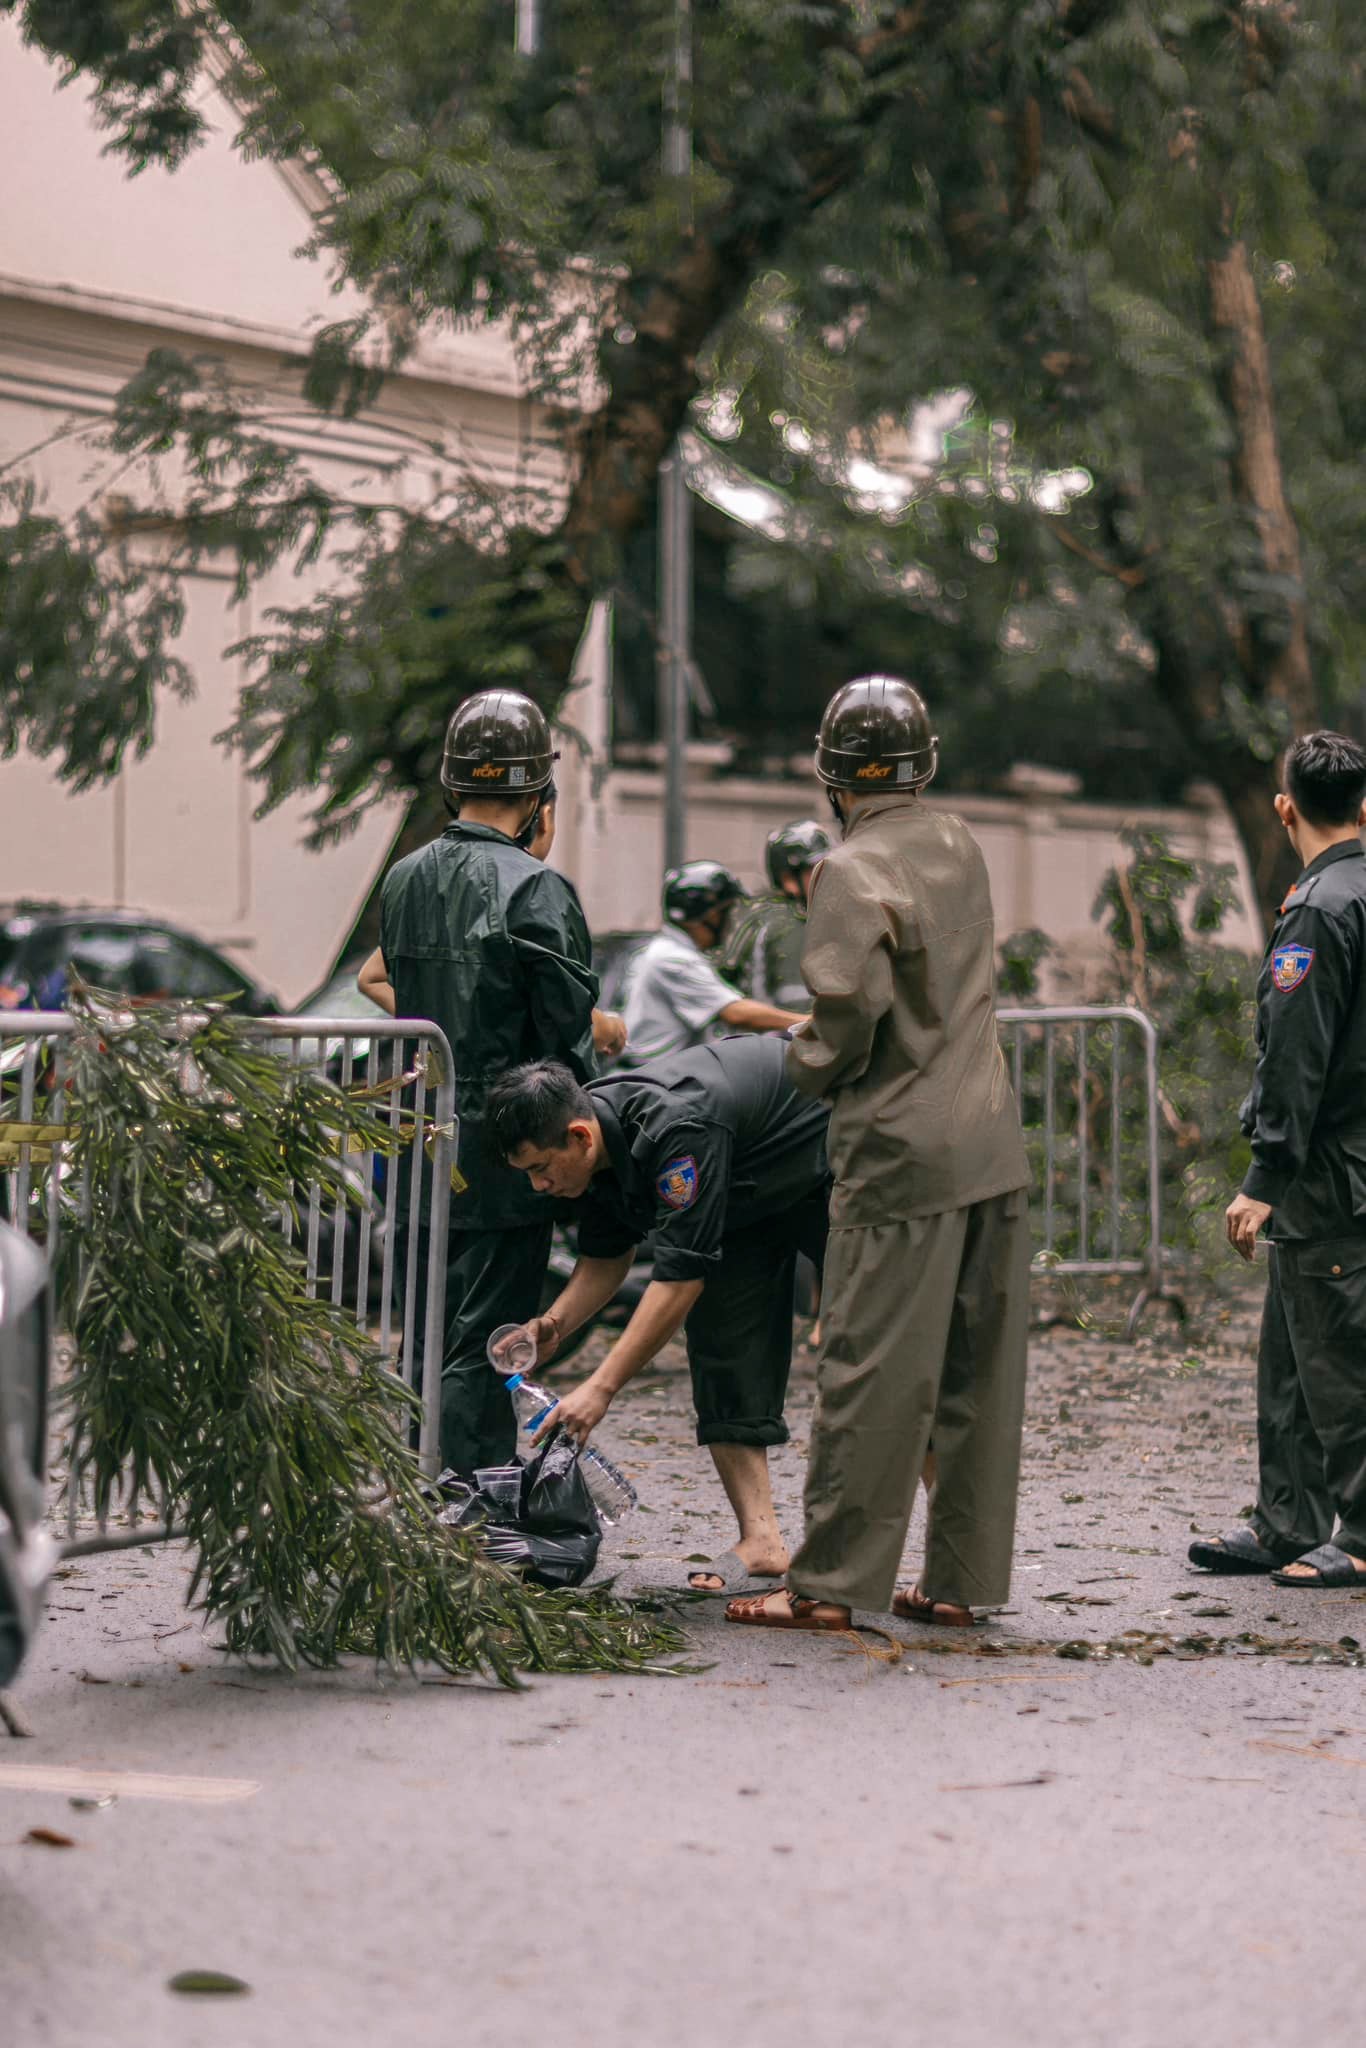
x=925, y=1326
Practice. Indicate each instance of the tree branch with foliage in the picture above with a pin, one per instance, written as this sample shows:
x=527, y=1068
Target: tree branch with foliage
x=261, y=1421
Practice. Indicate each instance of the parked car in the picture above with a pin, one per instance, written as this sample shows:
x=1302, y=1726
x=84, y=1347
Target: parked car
x=134, y=955
x=339, y=996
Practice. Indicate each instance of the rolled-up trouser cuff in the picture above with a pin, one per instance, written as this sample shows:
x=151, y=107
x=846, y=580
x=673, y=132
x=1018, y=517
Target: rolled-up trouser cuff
x=761, y=1433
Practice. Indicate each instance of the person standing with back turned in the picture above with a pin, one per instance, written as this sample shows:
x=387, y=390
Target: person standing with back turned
x=1306, y=1187
x=478, y=935
x=925, y=1307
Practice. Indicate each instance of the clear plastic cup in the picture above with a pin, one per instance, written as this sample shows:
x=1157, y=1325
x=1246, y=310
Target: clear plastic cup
x=502, y=1483
x=511, y=1349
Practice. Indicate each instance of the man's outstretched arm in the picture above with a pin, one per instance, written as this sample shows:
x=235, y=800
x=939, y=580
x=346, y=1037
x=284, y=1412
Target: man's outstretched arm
x=660, y=1315
x=589, y=1288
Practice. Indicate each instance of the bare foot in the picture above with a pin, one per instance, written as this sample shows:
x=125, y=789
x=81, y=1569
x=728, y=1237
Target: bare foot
x=1300, y=1570
x=761, y=1561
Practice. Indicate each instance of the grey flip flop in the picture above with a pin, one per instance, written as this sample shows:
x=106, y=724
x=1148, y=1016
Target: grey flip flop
x=1332, y=1569
x=735, y=1576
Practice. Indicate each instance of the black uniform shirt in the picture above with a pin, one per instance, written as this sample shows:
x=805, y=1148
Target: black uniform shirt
x=1306, y=1113
x=702, y=1144
x=492, y=946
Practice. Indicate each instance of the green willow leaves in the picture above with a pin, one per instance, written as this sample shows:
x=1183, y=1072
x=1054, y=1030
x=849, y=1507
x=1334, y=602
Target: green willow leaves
x=264, y=1422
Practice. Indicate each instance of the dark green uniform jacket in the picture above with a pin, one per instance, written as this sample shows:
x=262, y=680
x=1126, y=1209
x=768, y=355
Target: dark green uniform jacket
x=1306, y=1113
x=762, y=951
x=703, y=1144
x=492, y=946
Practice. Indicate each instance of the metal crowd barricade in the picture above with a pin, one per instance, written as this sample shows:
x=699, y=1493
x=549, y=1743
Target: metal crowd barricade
x=1094, y=1140
x=351, y=1248
x=340, y=1247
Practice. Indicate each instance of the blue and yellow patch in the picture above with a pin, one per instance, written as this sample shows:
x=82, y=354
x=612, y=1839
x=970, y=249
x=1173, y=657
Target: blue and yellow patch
x=1289, y=965
x=676, y=1186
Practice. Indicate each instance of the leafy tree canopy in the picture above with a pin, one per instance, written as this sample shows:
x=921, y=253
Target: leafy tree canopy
x=1127, y=232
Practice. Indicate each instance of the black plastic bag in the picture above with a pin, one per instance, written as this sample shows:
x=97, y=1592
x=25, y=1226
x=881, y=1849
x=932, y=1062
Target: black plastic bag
x=552, y=1536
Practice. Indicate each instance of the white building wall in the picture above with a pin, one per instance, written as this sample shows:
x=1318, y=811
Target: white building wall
x=96, y=269
x=1046, y=861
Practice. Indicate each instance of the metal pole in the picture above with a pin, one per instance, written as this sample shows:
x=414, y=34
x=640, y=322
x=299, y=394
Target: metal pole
x=675, y=499
x=528, y=27
x=675, y=635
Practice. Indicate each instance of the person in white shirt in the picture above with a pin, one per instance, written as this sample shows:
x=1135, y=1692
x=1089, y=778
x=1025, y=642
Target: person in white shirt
x=674, y=997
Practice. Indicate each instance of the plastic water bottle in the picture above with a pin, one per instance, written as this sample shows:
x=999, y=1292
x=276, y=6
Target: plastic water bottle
x=511, y=1350
x=613, y=1493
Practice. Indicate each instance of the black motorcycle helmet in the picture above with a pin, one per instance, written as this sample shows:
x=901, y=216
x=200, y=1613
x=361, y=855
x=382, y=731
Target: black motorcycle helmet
x=693, y=891
x=875, y=738
x=498, y=745
x=794, y=848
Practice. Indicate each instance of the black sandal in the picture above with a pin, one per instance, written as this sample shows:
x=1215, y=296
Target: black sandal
x=1332, y=1570
x=1240, y=1551
x=914, y=1605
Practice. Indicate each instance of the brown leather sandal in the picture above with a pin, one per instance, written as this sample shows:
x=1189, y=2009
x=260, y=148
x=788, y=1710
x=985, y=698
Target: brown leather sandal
x=914, y=1606
x=753, y=1613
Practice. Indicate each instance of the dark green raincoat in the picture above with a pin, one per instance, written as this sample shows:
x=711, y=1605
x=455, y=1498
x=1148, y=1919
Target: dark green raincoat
x=492, y=946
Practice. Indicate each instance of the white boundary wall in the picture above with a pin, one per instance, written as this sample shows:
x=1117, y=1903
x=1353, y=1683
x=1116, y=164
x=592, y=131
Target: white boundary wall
x=96, y=269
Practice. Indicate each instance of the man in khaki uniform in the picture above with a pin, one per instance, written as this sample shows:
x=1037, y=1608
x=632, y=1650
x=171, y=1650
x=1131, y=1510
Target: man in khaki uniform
x=927, y=1273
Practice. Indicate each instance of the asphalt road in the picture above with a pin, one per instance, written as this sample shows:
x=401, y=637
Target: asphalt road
x=980, y=1842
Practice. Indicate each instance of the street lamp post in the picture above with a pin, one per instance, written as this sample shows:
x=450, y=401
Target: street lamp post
x=674, y=657
x=528, y=30
x=675, y=499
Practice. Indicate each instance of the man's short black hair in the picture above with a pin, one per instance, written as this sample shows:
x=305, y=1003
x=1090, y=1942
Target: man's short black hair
x=1325, y=778
x=535, y=1105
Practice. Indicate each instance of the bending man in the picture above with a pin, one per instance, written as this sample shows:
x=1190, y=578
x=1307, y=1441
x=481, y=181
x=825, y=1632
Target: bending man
x=715, y=1153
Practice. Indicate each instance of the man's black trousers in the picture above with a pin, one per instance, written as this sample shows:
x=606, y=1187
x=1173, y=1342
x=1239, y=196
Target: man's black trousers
x=492, y=1277
x=1311, y=1397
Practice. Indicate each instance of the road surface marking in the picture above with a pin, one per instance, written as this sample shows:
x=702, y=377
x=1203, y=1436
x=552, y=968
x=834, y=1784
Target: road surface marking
x=78, y=1783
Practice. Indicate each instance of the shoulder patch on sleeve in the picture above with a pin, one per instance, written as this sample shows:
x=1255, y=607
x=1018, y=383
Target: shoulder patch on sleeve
x=676, y=1186
x=1290, y=965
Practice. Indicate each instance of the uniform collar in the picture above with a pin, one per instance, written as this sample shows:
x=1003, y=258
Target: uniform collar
x=614, y=1138
x=460, y=829
x=878, y=807
x=690, y=946
x=1346, y=849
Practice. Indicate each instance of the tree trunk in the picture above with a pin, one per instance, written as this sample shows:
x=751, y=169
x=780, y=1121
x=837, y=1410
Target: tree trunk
x=1278, y=644
x=673, y=315
x=1272, y=640
x=1189, y=679
x=1194, y=639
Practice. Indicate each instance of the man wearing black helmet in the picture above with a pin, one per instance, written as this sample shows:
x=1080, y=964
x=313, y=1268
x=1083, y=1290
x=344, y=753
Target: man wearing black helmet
x=674, y=996
x=478, y=935
x=927, y=1272
x=762, y=949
